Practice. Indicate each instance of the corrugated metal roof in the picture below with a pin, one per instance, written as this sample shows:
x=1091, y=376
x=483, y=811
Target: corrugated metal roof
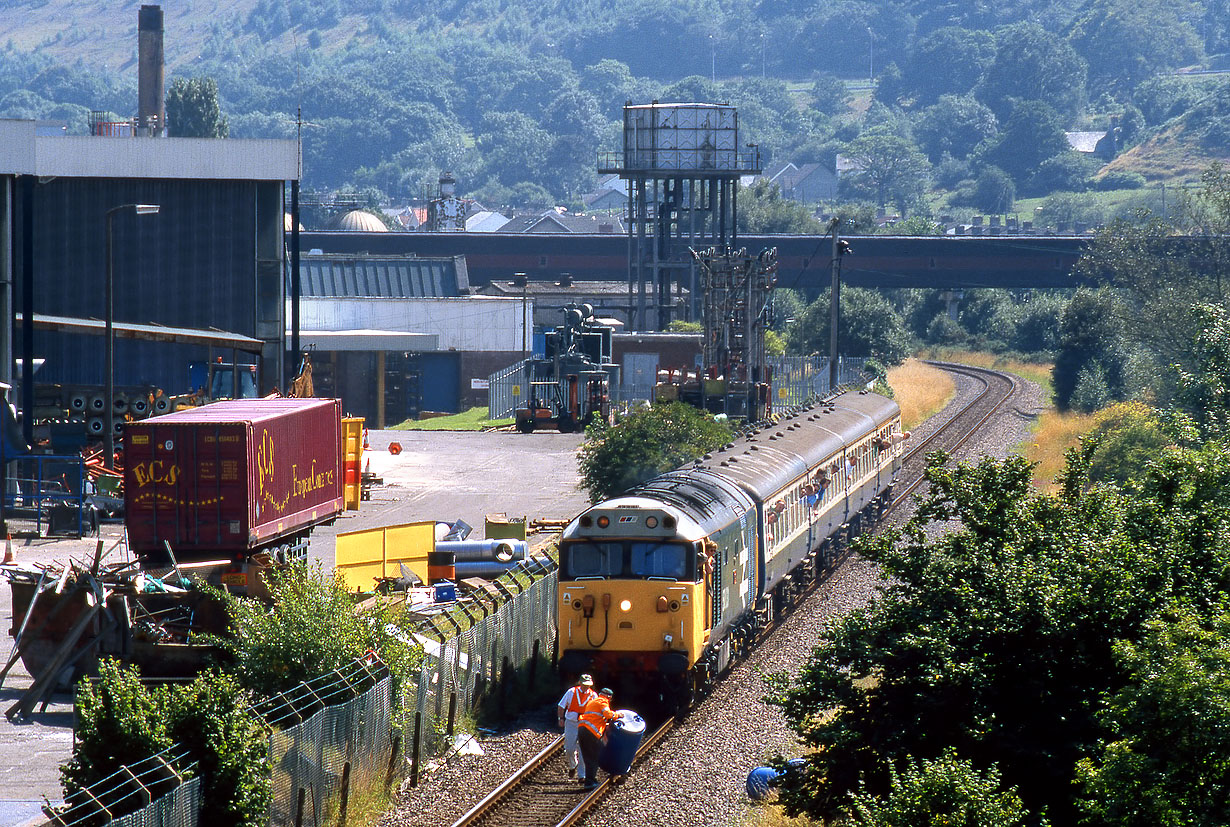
x=390, y=277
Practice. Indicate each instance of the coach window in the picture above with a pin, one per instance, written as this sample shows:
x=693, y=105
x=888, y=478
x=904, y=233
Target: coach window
x=594, y=560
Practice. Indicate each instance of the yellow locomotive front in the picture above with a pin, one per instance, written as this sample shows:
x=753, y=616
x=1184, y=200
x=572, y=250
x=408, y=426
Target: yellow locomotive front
x=632, y=593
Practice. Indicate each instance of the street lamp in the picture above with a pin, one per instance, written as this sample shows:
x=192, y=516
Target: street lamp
x=712, y=60
x=871, y=55
x=109, y=388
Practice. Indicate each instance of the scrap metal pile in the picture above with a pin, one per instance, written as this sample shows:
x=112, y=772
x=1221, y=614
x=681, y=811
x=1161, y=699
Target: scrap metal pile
x=66, y=617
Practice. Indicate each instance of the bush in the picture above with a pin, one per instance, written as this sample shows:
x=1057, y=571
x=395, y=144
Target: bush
x=1127, y=437
x=994, y=191
x=649, y=442
x=947, y=790
x=119, y=722
x=944, y=330
x=1091, y=392
x=312, y=628
x=1118, y=180
x=211, y=718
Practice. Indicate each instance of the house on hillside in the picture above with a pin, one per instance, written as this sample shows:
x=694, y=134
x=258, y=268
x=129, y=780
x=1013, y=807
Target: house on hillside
x=553, y=221
x=1098, y=144
x=806, y=184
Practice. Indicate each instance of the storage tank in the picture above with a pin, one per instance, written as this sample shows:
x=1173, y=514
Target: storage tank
x=683, y=137
x=231, y=477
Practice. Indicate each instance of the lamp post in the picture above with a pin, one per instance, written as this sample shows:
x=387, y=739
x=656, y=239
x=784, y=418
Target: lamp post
x=712, y=60
x=871, y=55
x=109, y=387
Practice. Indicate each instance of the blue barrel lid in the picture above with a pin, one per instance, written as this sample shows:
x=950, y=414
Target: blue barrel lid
x=630, y=722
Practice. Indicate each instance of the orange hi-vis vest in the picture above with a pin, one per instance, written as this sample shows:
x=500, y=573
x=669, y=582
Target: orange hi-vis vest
x=577, y=697
x=596, y=714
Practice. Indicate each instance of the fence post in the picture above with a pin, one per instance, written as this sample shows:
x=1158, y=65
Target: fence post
x=388, y=776
x=505, y=679
x=341, y=815
x=414, y=756
x=452, y=711
x=299, y=806
x=533, y=665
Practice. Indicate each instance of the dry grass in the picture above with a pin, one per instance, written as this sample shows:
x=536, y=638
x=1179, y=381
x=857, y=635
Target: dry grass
x=1054, y=434
x=771, y=815
x=921, y=390
x=1036, y=372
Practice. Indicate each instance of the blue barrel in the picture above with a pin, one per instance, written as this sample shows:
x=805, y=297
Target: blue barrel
x=623, y=738
x=760, y=783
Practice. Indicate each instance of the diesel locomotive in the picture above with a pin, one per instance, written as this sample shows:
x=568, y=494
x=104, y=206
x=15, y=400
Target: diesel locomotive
x=662, y=587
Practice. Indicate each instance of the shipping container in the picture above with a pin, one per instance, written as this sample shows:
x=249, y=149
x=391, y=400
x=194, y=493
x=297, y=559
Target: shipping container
x=229, y=478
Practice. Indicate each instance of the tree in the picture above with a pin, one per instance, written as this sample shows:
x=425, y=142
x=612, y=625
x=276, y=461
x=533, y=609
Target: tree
x=994, y=191
x=763, y=210
x=193, y=111
x=1127, y=41
x=829, y=93
x=869, y=326
x=1091, y=338
x=1126, y=437
x=1032, y=64
x=998, y=640
x=1205, y=389
x=1032, y=133
x=954, y=125
x=649, y=442
x=1167, y=761
x=948, y=61
x=892, y=165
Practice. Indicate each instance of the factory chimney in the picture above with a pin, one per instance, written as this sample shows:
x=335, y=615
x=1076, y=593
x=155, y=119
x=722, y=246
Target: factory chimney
x=151, y=79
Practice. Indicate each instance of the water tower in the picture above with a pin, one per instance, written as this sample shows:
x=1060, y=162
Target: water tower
x=682, y=162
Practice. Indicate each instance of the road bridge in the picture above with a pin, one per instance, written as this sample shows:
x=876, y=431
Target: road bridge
x=956, y=262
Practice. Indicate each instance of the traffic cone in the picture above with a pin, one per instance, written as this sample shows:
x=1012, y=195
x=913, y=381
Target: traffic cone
x=366, y=443
x=9, y=556
x=367, y=469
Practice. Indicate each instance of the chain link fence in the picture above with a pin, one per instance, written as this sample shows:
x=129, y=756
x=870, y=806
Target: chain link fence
x=336, y=726
x=795, y=380
x=799, y=378
x=482, y=647
x=155, y=792
x=341, y=727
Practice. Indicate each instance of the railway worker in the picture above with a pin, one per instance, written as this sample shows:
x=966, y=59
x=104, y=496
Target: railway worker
x=569, y=713
x=594, y=718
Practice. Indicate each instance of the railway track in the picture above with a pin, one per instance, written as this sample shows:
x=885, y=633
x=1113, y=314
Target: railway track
x=541, y=793
x=997, y=389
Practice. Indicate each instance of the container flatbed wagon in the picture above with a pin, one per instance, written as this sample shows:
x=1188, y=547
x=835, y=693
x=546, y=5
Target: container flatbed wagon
x=232, y=478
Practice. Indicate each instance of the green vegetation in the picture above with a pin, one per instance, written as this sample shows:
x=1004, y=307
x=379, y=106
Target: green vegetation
x=1013, y=644
x=644, y=444
x=121, y=721
x=474, y=419
x=517, y=99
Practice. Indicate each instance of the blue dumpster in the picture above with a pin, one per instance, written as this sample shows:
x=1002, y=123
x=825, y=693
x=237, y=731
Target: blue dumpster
x=623, y=738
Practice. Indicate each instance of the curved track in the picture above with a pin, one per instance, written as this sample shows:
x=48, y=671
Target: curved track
x=540, y=793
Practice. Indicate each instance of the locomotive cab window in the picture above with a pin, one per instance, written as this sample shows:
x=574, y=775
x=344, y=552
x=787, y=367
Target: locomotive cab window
x=593, y=560
x=659, y=560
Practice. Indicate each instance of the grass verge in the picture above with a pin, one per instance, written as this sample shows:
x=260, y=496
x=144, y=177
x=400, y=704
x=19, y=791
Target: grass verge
x=920, y=389
x=1037, y=372
x=1053, y=434
x=475, y=419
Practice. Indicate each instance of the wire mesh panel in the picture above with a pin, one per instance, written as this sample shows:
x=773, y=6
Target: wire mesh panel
x=179, y=808
x=342, y=716
x=153, y=791
x=797, y=379
x=506, y=390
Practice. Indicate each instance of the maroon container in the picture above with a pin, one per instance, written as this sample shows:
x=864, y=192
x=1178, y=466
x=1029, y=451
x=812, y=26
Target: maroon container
x=230, y=477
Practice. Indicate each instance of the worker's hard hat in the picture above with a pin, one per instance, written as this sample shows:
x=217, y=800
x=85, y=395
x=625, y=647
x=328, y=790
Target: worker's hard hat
x=585, y=680
x=607, y=692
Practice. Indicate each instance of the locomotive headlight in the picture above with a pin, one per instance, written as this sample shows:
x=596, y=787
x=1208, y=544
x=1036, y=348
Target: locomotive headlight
x=651, y=522
x=625, y=605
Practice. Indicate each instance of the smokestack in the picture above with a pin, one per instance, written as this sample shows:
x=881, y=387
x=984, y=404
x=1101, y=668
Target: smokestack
x=151, y=79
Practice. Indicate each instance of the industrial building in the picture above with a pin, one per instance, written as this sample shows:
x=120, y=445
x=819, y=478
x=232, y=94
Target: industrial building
x=202, y=274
